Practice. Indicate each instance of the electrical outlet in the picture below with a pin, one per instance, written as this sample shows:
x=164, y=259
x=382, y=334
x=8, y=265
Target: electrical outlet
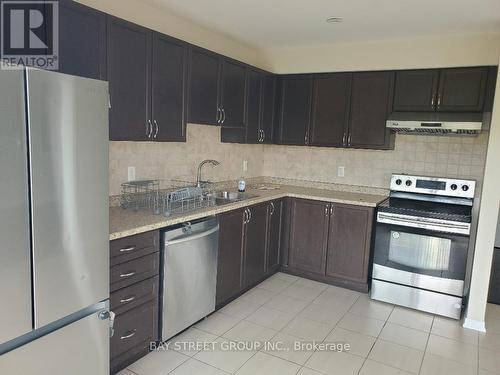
x=341, y=171
x=131, y=173
x=245, y=165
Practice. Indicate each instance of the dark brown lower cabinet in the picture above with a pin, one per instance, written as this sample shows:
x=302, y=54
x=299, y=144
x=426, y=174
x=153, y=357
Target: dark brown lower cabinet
x=329, y=242
x=134, y=279
x=255, y=250
x=275, y=210
x=249, y=248
x=349, y=241
x=308, y=235
x=230, y=259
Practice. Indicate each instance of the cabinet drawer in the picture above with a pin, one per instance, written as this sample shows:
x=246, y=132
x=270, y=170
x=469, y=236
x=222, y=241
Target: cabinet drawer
x=128, y=298
x=128, y=248
x=135, y=327
x=136, y=270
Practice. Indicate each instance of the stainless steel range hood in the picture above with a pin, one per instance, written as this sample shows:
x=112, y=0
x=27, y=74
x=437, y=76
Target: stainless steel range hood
x=435, y=127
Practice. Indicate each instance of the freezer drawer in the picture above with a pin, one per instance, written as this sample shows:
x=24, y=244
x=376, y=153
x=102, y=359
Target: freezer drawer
x=68, y=143
x=81, y=348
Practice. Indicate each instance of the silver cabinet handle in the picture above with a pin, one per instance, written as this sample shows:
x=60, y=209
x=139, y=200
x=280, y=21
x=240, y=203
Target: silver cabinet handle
x=343, y=140
x=127, y=299
x=249, y=214
x=272, y=208
x=128, y=274
x=128, y=335
x=127, y=249
x=439, y=100
x=263, y=135
x=245, y=216
x=432, y=100
x=331, y=210
x=305, y=138
x=223, y=115
x=219, y=115
x=326, y=210
x=349, y=140
x=260, y=135
x=149, y=129
x=157, y=128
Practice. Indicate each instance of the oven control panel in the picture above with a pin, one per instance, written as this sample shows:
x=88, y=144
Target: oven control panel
x=450, y=187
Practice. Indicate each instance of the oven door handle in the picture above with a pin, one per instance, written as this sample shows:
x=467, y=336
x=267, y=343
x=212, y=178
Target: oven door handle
x=416, y=222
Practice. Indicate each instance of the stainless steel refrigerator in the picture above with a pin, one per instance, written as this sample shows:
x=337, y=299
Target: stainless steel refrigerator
x=54, y=229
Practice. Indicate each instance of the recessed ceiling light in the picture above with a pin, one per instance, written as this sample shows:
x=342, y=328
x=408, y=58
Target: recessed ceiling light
x=334, y=19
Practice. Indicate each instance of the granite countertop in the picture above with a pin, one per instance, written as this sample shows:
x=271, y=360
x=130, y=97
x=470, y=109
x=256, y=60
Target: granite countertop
x=127, y=222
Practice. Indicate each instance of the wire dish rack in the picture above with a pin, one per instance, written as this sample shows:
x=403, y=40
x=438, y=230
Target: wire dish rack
x=176, y=197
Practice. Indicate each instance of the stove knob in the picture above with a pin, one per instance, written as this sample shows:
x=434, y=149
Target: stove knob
x=408, y=182
x=465, y=187
x=398, y=181
x=453, y=186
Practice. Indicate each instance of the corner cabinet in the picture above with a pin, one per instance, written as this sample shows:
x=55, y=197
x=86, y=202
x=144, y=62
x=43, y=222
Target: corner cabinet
x=147, y=76
x=329, y=242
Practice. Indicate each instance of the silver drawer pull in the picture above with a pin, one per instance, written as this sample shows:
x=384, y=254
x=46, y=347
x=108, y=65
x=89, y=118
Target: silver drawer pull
x=128, y=335
x=127, y=299
x=127, y=249
x=131, y=273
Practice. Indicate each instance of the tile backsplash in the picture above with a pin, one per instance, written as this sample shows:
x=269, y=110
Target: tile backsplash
x=445, y=156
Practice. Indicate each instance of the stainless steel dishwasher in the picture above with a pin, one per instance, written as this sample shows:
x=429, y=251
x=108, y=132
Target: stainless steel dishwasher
x=189, y=274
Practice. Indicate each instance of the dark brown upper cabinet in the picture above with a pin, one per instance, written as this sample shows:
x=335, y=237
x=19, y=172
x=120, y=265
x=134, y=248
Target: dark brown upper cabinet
x=415, y=90
x=147, y=78
x=255, y=81
x=295, y=109
x=232, y=100
x=462, y=89
x=308, y=235
x=230, y=257
x=82, y=40
x=330, y=112
x=371, y=101
x=129, y=72
x=349, y=242
x=268, y=108
x=256, y=237
x=168, y=84
x=203, y=92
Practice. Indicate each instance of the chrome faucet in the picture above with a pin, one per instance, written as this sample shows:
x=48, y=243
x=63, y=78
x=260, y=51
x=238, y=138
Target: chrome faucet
x=199, y=182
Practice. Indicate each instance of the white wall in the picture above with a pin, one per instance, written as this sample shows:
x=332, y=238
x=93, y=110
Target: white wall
x=483, y=49
x=488, y=216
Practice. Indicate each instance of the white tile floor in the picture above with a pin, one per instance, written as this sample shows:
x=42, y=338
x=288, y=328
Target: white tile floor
x=384, y=339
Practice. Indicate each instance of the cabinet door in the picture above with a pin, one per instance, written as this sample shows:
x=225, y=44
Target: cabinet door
x=330, y=109
x=415, y=90
x=82, y=40
x=308, y=235
x=203, y=87
x=233, y=80
x=129, y=65
x=254, y=101
x=462, y=89
x=349, y=242
x=268, y=108
x=255, y=244
x=275, y=209
x=371, y=96
x=295, y=109
x=168, y=89
x=229, y=261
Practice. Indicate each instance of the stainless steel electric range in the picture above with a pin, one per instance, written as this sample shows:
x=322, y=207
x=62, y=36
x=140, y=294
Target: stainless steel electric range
x=422, y=242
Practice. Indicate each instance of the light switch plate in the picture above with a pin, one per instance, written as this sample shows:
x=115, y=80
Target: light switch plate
x=341, y=171
x=131, y=174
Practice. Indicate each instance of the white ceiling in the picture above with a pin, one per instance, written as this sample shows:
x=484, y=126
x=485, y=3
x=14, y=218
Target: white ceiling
x=284, y=23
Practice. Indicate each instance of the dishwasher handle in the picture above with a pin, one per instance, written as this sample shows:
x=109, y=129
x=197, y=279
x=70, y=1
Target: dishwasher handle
x=193, y=237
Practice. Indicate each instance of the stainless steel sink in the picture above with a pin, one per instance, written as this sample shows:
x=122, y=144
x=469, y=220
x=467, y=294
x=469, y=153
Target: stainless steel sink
x=222, y=197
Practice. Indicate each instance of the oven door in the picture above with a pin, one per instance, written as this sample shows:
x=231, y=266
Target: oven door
x=421, y=258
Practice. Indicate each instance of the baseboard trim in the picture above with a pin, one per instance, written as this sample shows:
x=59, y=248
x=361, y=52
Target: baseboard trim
x=476, y=325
